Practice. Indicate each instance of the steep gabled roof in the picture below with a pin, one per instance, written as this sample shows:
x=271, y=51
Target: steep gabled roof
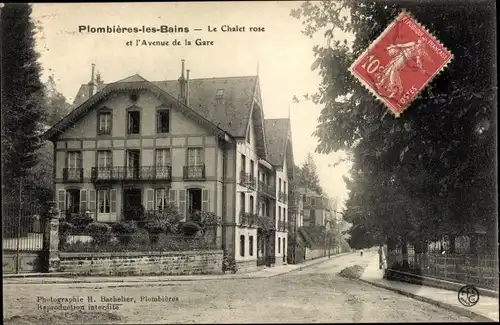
x=230, y=112
x=276, y=132
x=133, y=83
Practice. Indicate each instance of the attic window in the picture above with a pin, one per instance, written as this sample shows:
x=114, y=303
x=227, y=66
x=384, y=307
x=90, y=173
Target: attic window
x=219, y=93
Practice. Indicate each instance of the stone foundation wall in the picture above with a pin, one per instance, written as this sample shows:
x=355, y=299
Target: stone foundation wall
x=142, y=263
x=314, y=253
x=247, y=266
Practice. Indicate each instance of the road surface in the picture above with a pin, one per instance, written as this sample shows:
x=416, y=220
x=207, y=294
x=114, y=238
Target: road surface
x=314, y=294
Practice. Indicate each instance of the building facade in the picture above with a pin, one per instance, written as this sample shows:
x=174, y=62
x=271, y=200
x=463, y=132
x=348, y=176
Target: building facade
x=200, y=144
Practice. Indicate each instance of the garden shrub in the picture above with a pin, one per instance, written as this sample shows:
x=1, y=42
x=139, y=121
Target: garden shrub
x=155, y=228
x=124, y=231
x=65, y=229
x=169, y=215
x=100, y=233
x=190, y=228
x=80, y=222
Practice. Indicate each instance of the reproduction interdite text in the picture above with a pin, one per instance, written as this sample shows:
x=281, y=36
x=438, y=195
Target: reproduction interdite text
x=166, y=29
x=96, y=303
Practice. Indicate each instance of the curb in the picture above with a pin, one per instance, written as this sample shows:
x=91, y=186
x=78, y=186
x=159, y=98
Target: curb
x=461, y=311
x=242, y=276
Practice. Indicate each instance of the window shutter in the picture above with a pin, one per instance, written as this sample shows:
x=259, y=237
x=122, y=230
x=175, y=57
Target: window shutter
x=150, y=199
x=172, y=198
x=110, y=123
x=61, y=198
x=112, y=200
x=205, y=200
x=83, y=201
x=92, y=201
x=182, y=203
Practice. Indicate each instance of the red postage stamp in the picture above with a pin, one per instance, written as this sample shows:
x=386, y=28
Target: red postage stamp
x=400, y=63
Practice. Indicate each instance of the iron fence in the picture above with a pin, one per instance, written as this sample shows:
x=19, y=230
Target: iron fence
x=477, y=269
x=22, y=237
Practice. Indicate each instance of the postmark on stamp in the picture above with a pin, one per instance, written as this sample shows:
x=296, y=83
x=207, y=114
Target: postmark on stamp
x=400, y=63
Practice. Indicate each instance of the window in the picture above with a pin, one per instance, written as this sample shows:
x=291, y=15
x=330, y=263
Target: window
x=250, y=245
x=279, y=182
x=251, y=168
x=219, y=93
x=242, y=202
x=133, y=122
x=194, y=157
x=161, y=199
x=103, y=202
x=163, y=121
x=104, y=123
x=133, y=163
x=251, y=204
x=195, y=201
x=74, y=159
x=279, y=245
x=279, y=213
x=242, y=245
x=284, y=186
x=243, y=163
x=73, y=201
x=163, y=157
x=104, y=158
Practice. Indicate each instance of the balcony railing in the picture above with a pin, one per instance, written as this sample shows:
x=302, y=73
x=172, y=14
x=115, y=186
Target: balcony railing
x=194, y=173
x=248, y=219
x=283, y=197
x=248, y=180
x=73, y=175
x=267, y=189
x=130, y=173
x=282, y=225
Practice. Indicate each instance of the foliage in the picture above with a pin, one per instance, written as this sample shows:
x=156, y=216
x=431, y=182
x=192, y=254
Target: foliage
x=155, y=228
x=100, y=232
x=265, y=223
x=65, y=230
x=205, y=219
x=56, y=104
x=169, y=216
x=307, y=175
x=191, y=228
x=229, y=263
x=430, y=172
x=22, y=97
x=80, y=221
x=140, y=242
x=124, y=231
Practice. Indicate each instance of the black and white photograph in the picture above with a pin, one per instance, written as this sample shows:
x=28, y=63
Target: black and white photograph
x=249, y=162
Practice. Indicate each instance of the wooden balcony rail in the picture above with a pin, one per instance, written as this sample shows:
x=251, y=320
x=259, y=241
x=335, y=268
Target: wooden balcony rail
x=196, y=172
x=73, y=175
x=267, y=189
x=131, y=173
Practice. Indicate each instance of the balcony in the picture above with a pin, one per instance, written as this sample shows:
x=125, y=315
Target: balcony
x=282, y=225
x=194, y=173
x=283, y=197
x=248, y=219
x=73, y=175
x=150, y=173
x=267, y=190
x=248, y=180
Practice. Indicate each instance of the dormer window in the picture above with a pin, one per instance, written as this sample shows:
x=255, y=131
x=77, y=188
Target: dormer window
x=104, y=123
x=134, y=120
x=219, y=93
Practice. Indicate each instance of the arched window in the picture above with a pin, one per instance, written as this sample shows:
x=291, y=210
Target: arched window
x=242, y=245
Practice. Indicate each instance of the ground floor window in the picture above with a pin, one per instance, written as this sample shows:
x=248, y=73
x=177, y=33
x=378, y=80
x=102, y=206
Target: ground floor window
x=250, y=245
x=279, y=245
x=242, y=245
x=106, y=205
x=161, y=199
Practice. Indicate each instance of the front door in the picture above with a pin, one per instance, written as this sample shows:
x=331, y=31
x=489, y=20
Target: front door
x=132, y=204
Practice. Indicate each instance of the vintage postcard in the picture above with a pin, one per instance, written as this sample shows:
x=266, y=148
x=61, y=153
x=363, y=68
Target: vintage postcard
x=230, y=162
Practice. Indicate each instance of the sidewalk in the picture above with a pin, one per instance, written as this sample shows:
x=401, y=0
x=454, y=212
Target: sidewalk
x=61, y=278
x=485, y=310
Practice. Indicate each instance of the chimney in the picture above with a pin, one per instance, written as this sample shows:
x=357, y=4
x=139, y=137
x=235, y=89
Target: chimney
x=92, y=84
x=182, y=84
x=187, y=87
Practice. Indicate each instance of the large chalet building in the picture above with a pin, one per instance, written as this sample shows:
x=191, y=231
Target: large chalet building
x=200, y=144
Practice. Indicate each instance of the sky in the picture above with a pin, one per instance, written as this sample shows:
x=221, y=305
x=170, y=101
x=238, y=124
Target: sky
x=281, y=55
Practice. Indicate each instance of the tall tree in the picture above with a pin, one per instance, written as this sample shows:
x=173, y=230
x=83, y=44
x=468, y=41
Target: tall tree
x=308, y=175
x=22, y=95
x=432, y=171
x=56, y=104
